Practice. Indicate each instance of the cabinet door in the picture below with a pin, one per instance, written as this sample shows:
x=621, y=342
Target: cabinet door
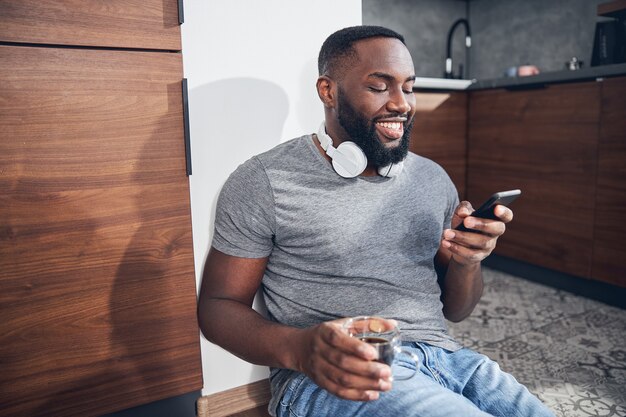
x=545, y=143
x=439, y=132
x=97, y=284
x=144, y=24
x=609, y=249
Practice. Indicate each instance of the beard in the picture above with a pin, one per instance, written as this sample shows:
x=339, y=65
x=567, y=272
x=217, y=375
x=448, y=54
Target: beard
x=363, y=133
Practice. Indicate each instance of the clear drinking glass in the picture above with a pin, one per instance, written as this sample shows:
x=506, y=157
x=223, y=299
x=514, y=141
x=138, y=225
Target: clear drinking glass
x=385, y=337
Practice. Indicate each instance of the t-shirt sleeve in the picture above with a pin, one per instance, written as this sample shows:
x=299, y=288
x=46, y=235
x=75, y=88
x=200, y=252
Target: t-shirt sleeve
x=244, y=217
x=453, y=202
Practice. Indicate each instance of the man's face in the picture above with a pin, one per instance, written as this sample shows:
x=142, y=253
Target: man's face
x=363, y=132
x=375, y=100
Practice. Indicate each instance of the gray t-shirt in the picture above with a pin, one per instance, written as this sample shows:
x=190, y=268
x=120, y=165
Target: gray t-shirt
x=340, y=247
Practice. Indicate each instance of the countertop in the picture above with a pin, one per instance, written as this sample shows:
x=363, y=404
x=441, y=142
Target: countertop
x=534, y=81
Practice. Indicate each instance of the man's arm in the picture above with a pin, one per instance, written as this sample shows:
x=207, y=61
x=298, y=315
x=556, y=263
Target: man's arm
x=335, y=361
x=459, y=256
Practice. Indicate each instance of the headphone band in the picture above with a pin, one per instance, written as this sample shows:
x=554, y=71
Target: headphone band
x=323, y=137
x=349, y=160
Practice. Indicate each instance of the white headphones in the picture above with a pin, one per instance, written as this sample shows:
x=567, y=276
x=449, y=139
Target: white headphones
x=349, y=160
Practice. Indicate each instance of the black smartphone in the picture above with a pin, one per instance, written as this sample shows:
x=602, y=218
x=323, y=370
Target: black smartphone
x=485, y=211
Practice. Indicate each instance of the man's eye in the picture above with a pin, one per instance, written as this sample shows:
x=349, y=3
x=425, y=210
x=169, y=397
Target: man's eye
x=408, y=91
x=378, y=89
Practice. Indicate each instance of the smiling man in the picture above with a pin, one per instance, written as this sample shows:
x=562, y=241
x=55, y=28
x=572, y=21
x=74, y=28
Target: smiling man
x=347, y=222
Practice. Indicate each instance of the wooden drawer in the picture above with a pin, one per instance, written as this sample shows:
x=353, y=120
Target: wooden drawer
x=144, y=24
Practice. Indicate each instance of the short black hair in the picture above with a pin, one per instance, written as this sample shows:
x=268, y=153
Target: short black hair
x=339, y=46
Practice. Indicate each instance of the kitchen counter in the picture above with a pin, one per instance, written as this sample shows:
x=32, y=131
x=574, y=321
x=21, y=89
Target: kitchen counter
x=426, y=83
x=535, y=81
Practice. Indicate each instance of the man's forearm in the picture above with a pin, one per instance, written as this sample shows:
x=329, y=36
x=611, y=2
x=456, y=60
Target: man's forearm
x=461, y=289
x=248, y=335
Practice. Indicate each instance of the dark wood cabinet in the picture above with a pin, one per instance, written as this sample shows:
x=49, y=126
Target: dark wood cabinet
x=142, y=24
x=545, y=142
x=439, y=132
x=97, y=280
x=609, y=248
x=564, y=145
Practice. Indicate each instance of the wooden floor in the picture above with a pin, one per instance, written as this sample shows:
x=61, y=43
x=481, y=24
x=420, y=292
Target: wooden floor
x=249, y=400
x=260, y=411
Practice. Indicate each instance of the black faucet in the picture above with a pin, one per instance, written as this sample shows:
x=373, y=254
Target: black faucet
x=468, y=43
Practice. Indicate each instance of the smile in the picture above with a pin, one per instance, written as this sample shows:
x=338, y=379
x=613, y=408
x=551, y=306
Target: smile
x=390, y=130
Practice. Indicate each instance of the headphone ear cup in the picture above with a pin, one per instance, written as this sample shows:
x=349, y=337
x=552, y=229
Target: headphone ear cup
x=349, y=160
x=392, y=170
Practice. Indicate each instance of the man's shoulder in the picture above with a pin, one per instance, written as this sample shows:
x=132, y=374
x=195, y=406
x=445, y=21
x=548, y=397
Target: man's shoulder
x=262, y=167
x=292, y=148
x=285, y=150
x=420, y=163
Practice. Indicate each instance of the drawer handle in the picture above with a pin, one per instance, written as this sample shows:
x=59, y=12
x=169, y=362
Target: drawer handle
x=181, y=12
x=186, y=127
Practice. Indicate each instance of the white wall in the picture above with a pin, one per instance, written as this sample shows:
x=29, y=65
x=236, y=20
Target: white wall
x=251, y=66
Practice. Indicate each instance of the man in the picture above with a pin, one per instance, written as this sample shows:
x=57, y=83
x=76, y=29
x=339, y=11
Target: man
x=325, y=241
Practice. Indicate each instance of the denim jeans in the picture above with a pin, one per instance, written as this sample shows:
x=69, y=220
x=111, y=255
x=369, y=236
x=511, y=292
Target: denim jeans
x=462, y=383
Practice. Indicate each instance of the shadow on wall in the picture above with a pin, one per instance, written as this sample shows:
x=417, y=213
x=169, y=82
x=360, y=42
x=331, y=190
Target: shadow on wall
x=308, y=96
x=231, y=121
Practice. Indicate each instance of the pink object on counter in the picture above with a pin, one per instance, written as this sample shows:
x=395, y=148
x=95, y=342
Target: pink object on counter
x=526, y=70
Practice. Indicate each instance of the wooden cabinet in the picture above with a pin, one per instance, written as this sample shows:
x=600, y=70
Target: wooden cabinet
x=563, y=145
x=545, y=142
x=142, y=24
x=439, y=132
x=97, y=283
x=609, y=249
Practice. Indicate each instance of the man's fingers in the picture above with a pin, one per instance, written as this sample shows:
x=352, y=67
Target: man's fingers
x=350, y=354
x=345, y=366
x=357, y=366
x=333, y=335
x=488, y=228
x=503, y=213
x=352, y=394
x=464, y=209
x=347, y=384
x=469, y=254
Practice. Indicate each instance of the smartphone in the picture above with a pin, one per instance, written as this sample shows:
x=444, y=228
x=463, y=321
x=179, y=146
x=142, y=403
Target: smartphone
x=485, y=211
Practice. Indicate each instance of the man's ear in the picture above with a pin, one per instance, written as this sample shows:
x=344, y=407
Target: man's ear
x=326, y=88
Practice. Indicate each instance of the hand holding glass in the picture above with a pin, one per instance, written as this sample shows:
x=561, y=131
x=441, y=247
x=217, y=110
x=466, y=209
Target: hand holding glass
x=384, y=336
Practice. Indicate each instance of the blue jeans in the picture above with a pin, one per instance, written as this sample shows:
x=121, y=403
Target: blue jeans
x=462, y=383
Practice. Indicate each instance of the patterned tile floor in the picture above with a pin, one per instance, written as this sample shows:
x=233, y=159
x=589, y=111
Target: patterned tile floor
x=568, y=350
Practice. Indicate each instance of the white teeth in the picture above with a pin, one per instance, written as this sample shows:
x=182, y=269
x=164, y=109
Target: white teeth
x=391, y=125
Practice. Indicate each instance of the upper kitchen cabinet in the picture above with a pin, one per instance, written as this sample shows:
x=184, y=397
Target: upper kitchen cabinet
x=609, y=250
x=143, y=24
x=545, y=142
x=439, y=132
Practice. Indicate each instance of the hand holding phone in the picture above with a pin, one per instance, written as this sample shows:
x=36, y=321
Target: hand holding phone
x=485, y=211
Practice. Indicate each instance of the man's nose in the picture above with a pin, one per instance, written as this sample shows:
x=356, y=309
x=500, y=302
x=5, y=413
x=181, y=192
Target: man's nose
x=399, y=103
